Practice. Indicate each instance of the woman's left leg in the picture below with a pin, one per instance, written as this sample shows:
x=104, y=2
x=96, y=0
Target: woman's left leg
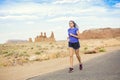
x=78, y=56
x=79, y=59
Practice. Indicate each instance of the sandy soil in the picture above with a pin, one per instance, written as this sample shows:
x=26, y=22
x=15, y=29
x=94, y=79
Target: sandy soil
x=38, y=68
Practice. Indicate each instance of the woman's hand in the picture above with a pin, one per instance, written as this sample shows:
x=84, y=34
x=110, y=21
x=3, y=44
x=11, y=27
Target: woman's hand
x=77, y=36
x=72, y=35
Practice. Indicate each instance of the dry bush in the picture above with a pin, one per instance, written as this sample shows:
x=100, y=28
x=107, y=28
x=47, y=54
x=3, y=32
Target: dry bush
x=96, y=50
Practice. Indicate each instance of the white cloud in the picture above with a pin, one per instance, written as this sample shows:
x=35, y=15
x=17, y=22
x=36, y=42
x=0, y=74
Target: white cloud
x=30, y=22
x=49, y=10
x=117, y=5
x=65, y=1
x=20, y=17
x=47, y=17
x=31, y=8
x=77, y=1
x=56, y=19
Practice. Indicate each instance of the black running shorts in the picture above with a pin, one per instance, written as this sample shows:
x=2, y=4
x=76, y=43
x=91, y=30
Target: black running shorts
x=75, y=45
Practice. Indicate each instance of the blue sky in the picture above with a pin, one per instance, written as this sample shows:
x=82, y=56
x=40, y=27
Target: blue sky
x=21, y=19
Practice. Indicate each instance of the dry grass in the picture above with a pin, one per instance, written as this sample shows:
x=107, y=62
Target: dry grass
x=20, y=53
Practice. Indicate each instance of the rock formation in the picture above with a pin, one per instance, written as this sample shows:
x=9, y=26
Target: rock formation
x=100, y=33
x=30, y=40
x=51, y=38
x=42, y=38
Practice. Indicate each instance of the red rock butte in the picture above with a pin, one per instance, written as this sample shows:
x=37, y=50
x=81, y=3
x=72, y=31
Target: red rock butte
x=43, y=38
x=100, y=33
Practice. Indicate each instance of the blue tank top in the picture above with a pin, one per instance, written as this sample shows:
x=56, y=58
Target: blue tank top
x=73, y=31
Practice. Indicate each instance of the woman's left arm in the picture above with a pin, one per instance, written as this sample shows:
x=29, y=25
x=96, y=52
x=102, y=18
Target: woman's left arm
x=77, y=36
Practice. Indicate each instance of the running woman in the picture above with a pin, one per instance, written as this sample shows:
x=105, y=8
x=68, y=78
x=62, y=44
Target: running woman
x=73, y=43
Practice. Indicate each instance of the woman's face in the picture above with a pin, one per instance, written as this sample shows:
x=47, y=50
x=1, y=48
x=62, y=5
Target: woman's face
x=71, y=24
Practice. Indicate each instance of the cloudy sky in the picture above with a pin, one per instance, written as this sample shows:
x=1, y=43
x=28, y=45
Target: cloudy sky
x=21, y=19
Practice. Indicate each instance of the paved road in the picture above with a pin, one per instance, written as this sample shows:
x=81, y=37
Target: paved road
x=106, y=67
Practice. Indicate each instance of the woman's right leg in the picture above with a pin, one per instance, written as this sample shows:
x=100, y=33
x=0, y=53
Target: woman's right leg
x=71, y=52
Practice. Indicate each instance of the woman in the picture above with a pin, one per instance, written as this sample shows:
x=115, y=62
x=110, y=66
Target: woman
x=73, y=43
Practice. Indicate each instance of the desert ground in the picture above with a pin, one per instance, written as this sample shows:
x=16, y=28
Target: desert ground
x=20, y=61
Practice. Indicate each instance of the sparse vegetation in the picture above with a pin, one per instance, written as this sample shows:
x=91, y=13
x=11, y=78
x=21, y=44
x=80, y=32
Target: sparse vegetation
x=102, y=49
x=85, y=48
x=52, y=46
x=37, y=53
x=24, y=52
x=31, y=47
x=8, y=54
x=21, y=53
x=50, y=43
x=5, y=52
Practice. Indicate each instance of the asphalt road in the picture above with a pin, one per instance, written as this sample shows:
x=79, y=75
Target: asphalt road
x=106, y=67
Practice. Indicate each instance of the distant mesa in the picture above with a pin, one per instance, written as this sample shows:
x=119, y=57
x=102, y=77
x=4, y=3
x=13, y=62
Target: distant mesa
x=16, y=41
x=100, y=33
x=40, y=38
x=43, y=38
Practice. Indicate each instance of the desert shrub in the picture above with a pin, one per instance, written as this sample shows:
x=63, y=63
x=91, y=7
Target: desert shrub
x=90, y=52
x=102, y=49
x=32, y=48
x=42, y=51
x=57, y=55
x=8, y=54
x=85, y=48
x=38, y=59
x=45, y=48
x=23, y=54
x=52, y=46
x=50, y=43
x=37, y=53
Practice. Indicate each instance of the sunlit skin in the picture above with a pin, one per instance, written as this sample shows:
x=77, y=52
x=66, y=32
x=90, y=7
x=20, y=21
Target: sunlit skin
x=71, y=50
